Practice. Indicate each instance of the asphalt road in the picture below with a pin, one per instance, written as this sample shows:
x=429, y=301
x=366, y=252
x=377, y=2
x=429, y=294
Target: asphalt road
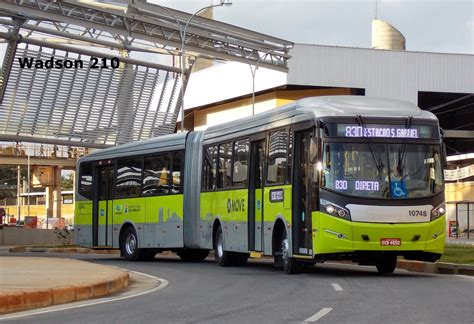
x=258, y=293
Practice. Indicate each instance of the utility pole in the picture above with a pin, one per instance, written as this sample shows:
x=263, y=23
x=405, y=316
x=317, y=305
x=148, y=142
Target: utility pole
x=18, y=194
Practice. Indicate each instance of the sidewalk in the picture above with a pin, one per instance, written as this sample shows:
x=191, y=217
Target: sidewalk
x=460, y=241
x=32, y=282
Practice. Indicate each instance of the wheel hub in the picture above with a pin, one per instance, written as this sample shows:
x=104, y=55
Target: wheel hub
x=285, y=246
x=220, y=247
x=131, y=244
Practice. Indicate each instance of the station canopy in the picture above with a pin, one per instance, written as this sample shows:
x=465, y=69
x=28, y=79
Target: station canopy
x=137, y=98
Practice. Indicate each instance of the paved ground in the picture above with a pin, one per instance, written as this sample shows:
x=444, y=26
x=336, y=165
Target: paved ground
x=16, y=273
x=206, y=293
x=33, y=282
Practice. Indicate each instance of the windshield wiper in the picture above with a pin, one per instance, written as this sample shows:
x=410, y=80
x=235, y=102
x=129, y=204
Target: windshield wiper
x=377, y=159
x=402, y=151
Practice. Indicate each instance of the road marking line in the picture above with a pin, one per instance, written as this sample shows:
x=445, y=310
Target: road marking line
x=54, y=308
x=318, y=315
x=337, y=287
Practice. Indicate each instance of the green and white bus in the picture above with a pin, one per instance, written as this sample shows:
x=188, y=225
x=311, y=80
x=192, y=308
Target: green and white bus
x=324, y=178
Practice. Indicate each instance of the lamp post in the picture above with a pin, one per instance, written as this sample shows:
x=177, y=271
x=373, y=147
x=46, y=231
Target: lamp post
x=183, y=36
x=253, y=70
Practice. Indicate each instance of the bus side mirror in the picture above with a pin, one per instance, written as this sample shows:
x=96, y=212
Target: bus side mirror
x=445, y=154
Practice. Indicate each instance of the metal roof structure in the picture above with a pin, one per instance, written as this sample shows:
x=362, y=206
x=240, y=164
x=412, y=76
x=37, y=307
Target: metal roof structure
x=98, y=108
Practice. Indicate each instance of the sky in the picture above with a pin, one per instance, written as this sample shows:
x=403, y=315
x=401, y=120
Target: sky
x=445, y=26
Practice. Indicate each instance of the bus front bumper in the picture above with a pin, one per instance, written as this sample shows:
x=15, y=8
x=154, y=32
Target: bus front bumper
x=420, y=241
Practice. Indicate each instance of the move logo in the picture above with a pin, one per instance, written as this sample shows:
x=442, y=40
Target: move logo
x=235, y=205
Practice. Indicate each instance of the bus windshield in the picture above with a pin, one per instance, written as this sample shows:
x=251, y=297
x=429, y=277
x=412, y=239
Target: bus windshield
x=394, y=171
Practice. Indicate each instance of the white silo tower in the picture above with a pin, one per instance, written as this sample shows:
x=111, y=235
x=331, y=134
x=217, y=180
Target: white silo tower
x=385, y=36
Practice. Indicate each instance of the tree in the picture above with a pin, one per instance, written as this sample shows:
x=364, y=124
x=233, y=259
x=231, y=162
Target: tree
x=67, y=182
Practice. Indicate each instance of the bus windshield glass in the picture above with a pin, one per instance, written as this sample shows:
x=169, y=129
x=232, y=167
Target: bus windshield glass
x=393, y=171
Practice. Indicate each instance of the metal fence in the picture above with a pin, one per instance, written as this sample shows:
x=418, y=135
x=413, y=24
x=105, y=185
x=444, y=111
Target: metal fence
x=461, y=219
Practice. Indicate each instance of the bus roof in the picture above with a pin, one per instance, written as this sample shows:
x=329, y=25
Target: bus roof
x=361, y=105
x=301, y=110
x=319, y=107
x=163, y=143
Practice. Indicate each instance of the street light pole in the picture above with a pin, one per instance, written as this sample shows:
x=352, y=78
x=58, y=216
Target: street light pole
x=29, y=180
x=183, y=37
x=182, y=33
x=253, y=70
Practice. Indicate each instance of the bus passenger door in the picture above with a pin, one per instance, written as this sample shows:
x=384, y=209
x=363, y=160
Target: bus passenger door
x=102, y=209
x=255, y=208
x=302, y=194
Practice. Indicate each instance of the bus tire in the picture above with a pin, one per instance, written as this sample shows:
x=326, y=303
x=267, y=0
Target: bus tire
x=129, y=245
x=386, y=264
x=290, y=265
x=223, y=258
x=193, y=255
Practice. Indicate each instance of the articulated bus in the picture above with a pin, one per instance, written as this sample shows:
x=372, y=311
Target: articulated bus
x=324, y=178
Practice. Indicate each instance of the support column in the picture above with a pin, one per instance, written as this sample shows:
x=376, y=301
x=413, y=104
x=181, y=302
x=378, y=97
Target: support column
x=57, y=191
x=9, y=55
x=18, y=194
x=49, y=203
x=125, y=102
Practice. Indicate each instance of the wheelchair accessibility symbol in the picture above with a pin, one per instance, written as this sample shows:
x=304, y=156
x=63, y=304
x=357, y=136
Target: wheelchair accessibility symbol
x=398, y=189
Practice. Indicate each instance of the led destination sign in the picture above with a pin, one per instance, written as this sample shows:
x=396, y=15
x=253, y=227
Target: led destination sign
x=382, y=131
x=389, y=132
x=359, y=185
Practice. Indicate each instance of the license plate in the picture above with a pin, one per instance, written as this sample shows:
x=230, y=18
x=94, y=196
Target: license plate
x=390, y=242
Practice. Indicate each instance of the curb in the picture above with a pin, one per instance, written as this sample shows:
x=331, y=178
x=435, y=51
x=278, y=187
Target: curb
x=25, y=300
x=17, y=249
x=437, y=267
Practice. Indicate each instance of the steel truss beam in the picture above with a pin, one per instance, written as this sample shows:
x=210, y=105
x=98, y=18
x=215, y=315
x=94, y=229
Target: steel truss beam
x=150, y=26
x=67, y=48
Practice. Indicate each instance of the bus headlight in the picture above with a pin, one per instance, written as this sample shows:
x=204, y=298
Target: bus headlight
x=438, y=212
x=334, y=210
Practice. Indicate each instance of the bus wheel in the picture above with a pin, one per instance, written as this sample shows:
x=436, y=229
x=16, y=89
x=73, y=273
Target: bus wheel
x=290, y=265
x=129, y=245
x=386, y=264
x=193, y=255
x=223, y=258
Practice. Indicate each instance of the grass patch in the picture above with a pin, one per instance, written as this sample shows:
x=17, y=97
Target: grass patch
x=458, y=254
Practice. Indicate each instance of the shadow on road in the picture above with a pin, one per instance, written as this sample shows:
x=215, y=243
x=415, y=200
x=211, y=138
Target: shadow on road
x=265, y=266
x=254, y=267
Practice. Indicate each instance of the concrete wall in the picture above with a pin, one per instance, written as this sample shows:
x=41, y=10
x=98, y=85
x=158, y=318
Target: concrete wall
x=389, y=74
x=25, y=236
x=230, y=80
x=67, y=212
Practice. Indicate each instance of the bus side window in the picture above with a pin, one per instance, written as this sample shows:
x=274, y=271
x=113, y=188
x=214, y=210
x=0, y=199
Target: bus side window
x=129, y=178
x=85, y=180
x=210, y=168
x=241, y=155
x=177, y=166
x=225, y=166
x=156, y=174
x=277, y=157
